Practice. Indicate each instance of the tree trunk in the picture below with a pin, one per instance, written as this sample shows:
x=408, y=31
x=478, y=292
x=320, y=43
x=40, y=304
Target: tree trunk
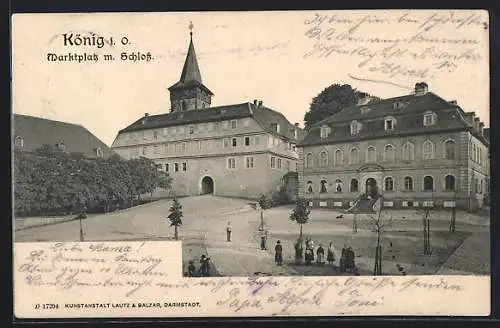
x=453, y=217
x=300, y=236
x=176, y=236
x=261, y=220
x=378, y=257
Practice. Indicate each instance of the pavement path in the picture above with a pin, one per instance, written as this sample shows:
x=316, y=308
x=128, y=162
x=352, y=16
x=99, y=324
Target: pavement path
x=205, y=219
x=204, y=228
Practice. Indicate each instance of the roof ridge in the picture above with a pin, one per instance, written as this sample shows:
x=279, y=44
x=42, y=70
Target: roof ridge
x=48, y=119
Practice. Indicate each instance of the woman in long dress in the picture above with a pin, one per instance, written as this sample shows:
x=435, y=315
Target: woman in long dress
x=278, y=253
x=330, y=257
x=320, y=253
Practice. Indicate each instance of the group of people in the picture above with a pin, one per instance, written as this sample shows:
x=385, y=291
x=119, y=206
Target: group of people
x=320, y=253
x=347, y=261
x=203, y=270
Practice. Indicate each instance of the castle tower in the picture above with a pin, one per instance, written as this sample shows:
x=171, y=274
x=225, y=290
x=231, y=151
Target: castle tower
x=190, y=93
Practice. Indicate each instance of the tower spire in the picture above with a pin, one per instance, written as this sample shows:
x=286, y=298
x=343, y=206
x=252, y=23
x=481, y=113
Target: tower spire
x=190, y=93
x=191, y=70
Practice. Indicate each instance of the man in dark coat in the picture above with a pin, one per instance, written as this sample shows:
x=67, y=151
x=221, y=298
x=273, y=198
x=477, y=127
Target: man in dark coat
x=205, y=266
x=343, y=259
x=228, y=231
x=350, y=259
x=278, y=253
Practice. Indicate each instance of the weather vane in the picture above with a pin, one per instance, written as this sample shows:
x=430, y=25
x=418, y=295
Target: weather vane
x=191, y=28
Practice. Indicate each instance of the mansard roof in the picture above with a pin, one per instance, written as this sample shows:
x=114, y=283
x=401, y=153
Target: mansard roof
x=37, y=131
x=266, y=117
x=407, y=110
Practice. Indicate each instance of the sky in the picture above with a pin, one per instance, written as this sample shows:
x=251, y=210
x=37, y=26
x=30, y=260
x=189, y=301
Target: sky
x=277, y=57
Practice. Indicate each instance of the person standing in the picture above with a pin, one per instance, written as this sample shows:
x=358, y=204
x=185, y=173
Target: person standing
x=298, y=251
x=191, y=269
x=343, y=258
x=330, y=257
x=205, y=266
x=350, y=259
x=278, y=253
x=263, y=240
x=228, y=231
x=320, y=253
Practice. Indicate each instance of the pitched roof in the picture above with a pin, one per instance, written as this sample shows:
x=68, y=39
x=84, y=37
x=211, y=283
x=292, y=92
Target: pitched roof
x=407, y=110
x=37, y=131
x=190, y=75
x=266, y=117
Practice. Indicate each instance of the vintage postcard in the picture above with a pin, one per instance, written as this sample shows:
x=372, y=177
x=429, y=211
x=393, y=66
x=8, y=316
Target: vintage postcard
x=293, y=163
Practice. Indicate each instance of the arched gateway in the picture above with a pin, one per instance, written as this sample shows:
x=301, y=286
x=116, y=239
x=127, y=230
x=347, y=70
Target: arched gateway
x=207, y=186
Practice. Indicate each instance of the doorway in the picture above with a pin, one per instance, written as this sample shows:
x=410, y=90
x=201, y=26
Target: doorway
x=207, y=186
x=371, y=187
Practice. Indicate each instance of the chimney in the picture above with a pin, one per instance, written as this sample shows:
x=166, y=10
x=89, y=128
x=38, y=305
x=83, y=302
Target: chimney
x=421, y=88
x=260, y=103
x=296, y=124
x=146, y=114
x=469, y=117
x=453, y=102
x=255, y=102
x=476, y=124
x=486, y=133
x=481, y=128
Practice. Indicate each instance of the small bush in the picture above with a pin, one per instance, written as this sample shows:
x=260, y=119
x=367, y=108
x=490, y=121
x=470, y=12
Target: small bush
x=280, y=198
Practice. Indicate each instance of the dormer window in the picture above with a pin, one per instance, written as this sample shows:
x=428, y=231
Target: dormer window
x=389, y=123
x=429, y=119
x=61, y=146
x=365, y=110
x=98, y=152
x=355, y=127
x=399, y=104
x=325, y=131
x=19, y=142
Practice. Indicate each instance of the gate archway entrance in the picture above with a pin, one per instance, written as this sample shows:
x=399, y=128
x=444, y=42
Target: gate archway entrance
x=207, y=186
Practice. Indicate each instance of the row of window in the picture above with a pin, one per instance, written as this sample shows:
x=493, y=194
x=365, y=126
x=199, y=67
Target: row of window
x=174, y=167
x=476, y=154
x=429, y=119
x=388, y=184
x=389, y=154
x=188, y=129
x=198, y=145
x=249, y=163
x=19, y=143
x=180, y=147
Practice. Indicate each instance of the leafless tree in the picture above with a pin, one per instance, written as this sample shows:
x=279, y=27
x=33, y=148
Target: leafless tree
x=453, y=213
x=379, y=223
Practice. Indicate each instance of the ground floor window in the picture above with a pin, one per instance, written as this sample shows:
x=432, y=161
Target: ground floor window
x=323, y=188
x=389, y=184
x=309, y=187
x=354, y=185
x=449, y=182
x=428, y=183
x=408, y=183
x=338, y=185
